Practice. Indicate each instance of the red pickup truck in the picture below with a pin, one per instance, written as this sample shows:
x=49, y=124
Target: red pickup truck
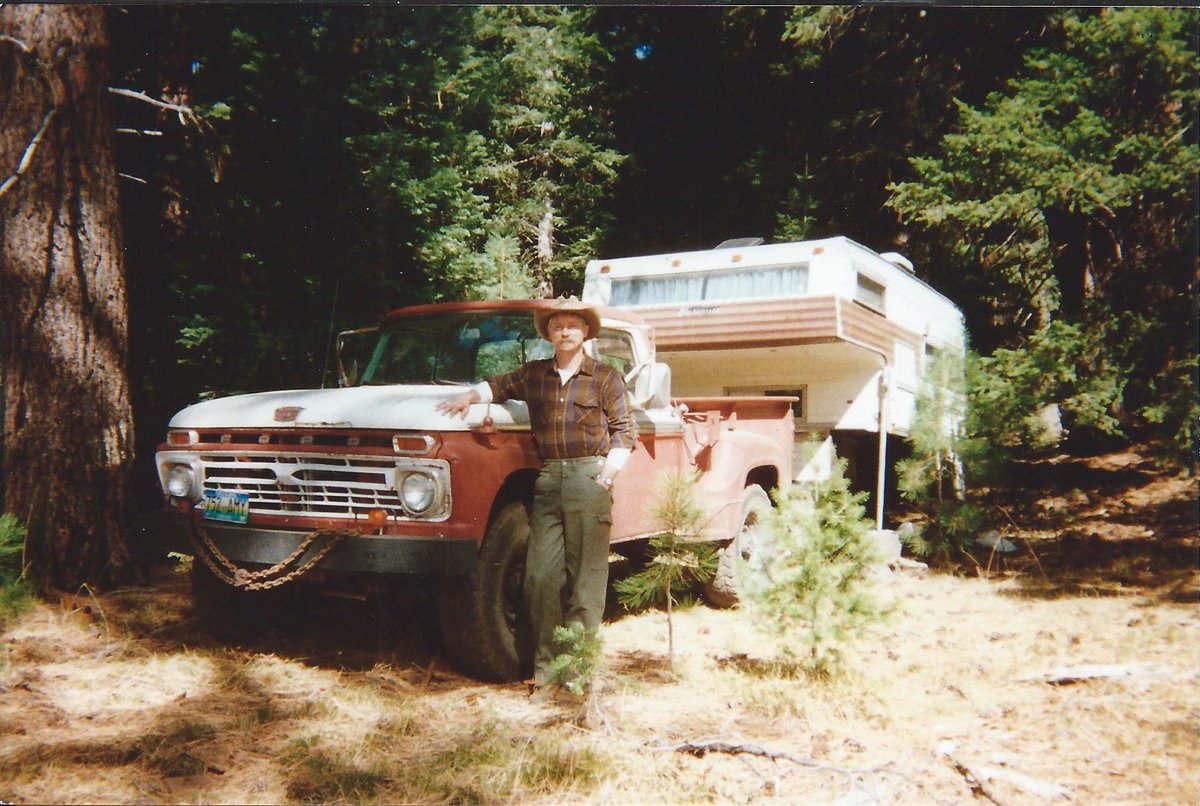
x=368, y=481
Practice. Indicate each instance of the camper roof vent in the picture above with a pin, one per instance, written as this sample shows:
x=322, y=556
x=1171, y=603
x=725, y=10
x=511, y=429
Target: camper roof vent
x=897, y=259
x=738, y=243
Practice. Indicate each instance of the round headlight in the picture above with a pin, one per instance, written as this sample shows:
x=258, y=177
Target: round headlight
x=180, y=481
x=417, y=492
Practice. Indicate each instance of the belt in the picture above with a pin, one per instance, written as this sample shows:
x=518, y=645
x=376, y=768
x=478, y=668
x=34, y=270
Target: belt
x=573, y=461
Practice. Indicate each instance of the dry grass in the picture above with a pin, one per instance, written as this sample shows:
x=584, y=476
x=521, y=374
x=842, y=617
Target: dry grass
x=119, y=699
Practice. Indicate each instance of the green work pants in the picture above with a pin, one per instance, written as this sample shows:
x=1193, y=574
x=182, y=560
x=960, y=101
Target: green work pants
x=566, y=571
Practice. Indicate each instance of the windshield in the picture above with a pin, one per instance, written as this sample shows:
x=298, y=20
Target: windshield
x=458, y=348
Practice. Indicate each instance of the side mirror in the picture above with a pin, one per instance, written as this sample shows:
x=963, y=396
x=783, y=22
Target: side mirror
x=650, y=385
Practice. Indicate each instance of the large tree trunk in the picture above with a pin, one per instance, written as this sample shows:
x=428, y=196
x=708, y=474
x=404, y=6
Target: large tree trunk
x=67, y=421
x=1074, y=262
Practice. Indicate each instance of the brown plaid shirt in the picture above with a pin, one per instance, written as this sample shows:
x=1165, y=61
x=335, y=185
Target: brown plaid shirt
x=586, y=416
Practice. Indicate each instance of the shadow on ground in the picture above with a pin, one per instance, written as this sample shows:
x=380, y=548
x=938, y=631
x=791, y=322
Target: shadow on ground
x=1108, y=525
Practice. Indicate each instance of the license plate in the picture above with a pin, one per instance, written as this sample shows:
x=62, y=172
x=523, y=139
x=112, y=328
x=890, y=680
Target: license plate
x=224, y=505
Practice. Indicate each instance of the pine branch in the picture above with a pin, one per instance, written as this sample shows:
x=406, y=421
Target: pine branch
x=27, y=156
x=180, y=109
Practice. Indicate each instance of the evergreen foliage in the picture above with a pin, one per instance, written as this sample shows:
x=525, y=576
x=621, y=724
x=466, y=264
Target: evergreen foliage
x=933, y=479
x=15, y=591
x=1057, y=367
x=1070, y=196
x=810, y=588
x=488, y=148
x=1041, y=166
x=678, y=560
x=575, y=666
x=826, y=164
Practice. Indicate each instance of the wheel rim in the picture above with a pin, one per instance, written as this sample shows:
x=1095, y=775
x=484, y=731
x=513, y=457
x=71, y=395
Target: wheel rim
x=746, y=537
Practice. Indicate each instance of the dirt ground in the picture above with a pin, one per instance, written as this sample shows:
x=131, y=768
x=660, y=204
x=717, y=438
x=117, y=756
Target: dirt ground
x=1064, y=671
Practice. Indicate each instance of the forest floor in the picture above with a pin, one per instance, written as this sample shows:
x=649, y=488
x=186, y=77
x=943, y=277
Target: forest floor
x=1066, y=671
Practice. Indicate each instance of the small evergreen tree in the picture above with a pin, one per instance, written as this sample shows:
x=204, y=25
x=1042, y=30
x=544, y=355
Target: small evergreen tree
x=15, y=593
x=575, y=666
x=677, y=561
x=932, y=480
x=810, y=590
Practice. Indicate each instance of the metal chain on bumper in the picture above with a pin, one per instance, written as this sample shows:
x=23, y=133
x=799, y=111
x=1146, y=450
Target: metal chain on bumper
x=232, y=574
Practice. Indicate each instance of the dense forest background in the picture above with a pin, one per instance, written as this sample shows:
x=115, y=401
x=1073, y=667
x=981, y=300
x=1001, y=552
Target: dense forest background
x=1039, y=166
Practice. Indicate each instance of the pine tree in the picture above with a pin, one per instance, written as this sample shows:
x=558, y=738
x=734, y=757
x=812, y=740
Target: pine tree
x=1072, y=194
x=896, y=72
x=933, y=479
x=677, y=560
x=490, y=150
x=67, y=423
x=810, y=586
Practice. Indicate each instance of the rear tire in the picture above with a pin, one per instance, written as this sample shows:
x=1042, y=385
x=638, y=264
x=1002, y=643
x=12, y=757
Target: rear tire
x=721, y=590
x=485, y=627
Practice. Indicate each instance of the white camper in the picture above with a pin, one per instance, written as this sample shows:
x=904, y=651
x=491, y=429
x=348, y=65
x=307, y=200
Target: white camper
x=845, y=330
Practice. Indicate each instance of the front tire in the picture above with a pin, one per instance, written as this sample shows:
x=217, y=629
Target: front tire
x=483, y=618
x=721, y=590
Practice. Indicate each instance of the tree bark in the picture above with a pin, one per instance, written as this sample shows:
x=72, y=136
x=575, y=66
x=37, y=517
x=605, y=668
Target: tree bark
x=1074, y=265
x=67, y=436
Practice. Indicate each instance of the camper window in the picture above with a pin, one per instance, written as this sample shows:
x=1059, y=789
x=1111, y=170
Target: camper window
x=869, y=293
x=759, y=282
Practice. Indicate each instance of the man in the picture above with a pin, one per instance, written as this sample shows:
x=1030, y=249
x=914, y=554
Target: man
x=583, y=433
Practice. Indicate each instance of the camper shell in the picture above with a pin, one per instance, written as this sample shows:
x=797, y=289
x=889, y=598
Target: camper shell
x=847, y=331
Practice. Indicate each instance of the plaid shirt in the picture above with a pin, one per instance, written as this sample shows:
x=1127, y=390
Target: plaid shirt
x=586, y=416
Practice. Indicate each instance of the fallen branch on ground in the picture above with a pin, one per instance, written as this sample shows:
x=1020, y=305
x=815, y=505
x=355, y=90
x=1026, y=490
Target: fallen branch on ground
x=1076, y=674
x=974, y=779
x=705, y=746
x=1043, y=789
x=979, y=776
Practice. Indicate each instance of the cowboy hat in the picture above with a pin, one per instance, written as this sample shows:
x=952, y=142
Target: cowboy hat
x=572, y=305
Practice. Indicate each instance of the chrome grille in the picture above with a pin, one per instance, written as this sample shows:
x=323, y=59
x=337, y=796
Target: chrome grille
x=305, y=484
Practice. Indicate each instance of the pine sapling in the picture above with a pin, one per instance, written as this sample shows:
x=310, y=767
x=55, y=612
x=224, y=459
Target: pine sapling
x=678, y=561
x=812, y=590
x=932, y=479
x=15, y=592
x=575, y=666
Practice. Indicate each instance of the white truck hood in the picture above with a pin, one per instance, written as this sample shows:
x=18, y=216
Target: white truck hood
x=391, y=407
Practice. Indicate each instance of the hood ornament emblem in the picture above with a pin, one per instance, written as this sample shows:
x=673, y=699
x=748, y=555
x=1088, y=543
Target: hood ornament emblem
x=287, y=414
